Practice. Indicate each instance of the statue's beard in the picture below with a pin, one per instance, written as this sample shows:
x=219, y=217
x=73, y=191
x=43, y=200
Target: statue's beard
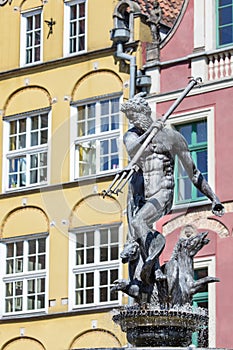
x=140, y=118
x=142, y=122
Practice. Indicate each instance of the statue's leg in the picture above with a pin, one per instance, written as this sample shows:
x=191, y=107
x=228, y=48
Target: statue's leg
x=151, y=243
x=130, y=208
x=132, y=268
x=135, y=201
x=143, y=221
x=156, y=246
x=151, y=269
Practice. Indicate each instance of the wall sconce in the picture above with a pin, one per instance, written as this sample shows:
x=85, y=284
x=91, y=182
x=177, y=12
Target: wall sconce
x=22, y=331
x=26, y=81
x=24, y=201
x=64, y=222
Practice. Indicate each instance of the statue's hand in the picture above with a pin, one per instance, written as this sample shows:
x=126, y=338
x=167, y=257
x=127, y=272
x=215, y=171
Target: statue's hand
x=155, y=127
x=158, y=124
x=217, y=208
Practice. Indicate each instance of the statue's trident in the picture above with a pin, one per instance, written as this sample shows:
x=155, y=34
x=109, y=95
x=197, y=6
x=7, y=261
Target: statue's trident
x=123, y=176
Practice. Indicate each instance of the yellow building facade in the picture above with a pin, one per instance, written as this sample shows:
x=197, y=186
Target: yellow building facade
x=61, y=131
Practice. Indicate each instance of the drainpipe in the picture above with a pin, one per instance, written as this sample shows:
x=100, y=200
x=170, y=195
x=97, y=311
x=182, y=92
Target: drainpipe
x=120, y=36
x=132, y=61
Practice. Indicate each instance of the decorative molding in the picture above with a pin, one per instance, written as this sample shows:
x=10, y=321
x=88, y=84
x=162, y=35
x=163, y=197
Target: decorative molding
x=201, y=219
x=17, y=222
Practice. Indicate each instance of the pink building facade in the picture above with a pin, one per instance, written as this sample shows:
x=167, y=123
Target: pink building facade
x=200, y=45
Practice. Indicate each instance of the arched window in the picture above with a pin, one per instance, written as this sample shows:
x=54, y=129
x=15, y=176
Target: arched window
x=95, y=240
x=24, y=251
x=26, y=131
x=96, y=126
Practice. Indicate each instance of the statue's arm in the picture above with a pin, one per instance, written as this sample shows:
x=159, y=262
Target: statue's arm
x=133, y=142
x=196, y=176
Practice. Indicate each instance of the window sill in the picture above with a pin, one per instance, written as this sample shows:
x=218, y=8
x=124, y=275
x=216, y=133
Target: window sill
x=95, y=308
x=22, y=65
x=95, y=179
x=25, y=188
x=77, y=53
x=109, y=174
x=23, y=315
x=52, y=315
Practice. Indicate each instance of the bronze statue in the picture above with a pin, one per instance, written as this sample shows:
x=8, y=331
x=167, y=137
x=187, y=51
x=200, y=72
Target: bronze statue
x=152, y=186
x=152, y=147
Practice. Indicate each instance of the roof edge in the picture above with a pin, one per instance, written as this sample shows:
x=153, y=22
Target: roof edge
x=176, y=24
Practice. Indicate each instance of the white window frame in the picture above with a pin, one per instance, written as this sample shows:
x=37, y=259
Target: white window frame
x=97, y=136
x=95, y=267
x=66, y=32
x=218, y=25
x=23, y=38
x=210, y=263
x=23, y=276
x=27, y=151
x=204, y=32
x=191, y=117
x=205, y=26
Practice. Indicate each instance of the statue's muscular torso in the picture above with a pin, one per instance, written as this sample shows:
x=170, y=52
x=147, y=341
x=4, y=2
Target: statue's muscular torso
x=158, y=173
x=157, y=162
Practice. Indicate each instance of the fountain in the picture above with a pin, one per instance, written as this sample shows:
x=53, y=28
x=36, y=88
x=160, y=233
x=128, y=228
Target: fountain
x=162, y=313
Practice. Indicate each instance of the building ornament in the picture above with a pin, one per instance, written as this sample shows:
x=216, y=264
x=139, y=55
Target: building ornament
x=4, y=2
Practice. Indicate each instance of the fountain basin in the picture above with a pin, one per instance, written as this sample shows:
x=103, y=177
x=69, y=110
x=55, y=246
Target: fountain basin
x=159, y=327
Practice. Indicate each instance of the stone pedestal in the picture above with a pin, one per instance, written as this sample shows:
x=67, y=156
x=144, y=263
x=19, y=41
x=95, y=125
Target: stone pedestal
x=152, y=53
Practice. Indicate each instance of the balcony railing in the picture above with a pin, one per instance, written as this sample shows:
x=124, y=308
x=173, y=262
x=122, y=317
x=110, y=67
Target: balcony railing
x=220, y=65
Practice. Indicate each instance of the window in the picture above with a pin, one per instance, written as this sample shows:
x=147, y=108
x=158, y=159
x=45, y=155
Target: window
x=196, y=136
x=75, y=27
x=205, y=298
x=224, y=22
x=31, y=37
x=97, y=137
x=24, y=277
x=95, y=256
x=27, y=151
x=200, y=299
